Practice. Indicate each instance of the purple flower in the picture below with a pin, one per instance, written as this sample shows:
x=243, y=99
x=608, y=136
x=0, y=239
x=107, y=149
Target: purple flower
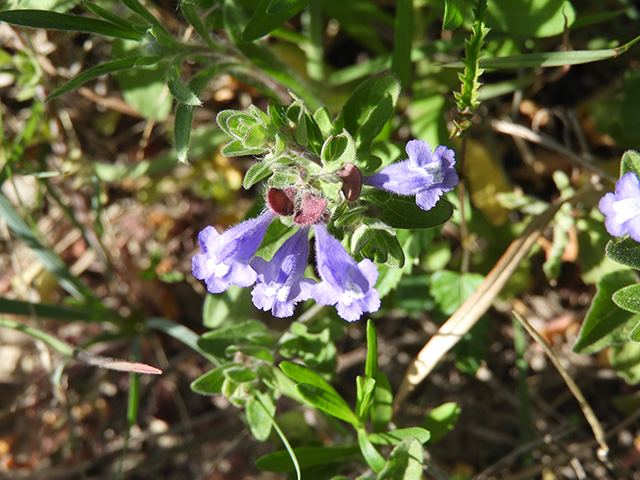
x=426, y=174
x=281, y=282
x=622, y=208
x=345, y=283
x=225, y=257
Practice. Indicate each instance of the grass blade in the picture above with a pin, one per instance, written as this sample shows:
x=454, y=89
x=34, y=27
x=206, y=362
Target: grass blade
x=51, y=261
x=63, y=21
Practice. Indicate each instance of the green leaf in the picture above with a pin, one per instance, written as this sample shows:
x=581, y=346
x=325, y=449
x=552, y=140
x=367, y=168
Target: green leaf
x=303, y=374
x=216, y=341
x=625, y=252
x=147, y=16
x=277, y=6
x=66, y=313
x=257, y=172
x=269, y=15
x=452, y=14
x=368, y=109
x=145, y=89
x=338, y=149
x=236, y=148
x=625, y=359
x=193, y=17
x=63, y=21
x=179, y=90
x=403, y=37
x=307, y=457
x=323, y=119
x=210, y=383
x=402, y=212
x=394, y=437
x=104, y=69
x=370, y=454
x=630, y=162
x=450, y=289
x=405, y=462
x=378, y=242
x=531, y=18
x=441, y=420
x=371, y=363
x=264, y=58
x=115, y=19
x=260, y=413
x=238, y=373
x=382, y=408
x=628, y=298
x=328, y=401
x=606, y=324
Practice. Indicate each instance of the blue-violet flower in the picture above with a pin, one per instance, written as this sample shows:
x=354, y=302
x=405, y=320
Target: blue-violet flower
x=426, y=174
x=345, y=283
x=622, y=208
x=281, y=282
x=225, y=257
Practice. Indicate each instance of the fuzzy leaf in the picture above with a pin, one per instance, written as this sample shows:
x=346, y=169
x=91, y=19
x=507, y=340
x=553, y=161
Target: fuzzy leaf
x=625, y=252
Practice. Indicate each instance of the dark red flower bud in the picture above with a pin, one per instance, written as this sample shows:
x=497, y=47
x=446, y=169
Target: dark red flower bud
x=311, y=209
x=351, y=181
x=281, y=202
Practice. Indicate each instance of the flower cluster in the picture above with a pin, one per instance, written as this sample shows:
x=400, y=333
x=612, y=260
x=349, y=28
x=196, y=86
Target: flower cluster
x=622, y=208
x=280, y=283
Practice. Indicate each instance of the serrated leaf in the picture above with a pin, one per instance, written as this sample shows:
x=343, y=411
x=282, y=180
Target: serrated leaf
x=625, y=252
x=210, y=383
x=62, y=21
x=329, y=402
x=450, y=289
x=260, y=414
x=368, y=109
x=630, y=162
x=606, y=324
x=402, y=212
x=628, y=298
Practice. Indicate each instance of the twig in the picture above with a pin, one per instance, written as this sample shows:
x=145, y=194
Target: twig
x=520, y=131
x=587, y=411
